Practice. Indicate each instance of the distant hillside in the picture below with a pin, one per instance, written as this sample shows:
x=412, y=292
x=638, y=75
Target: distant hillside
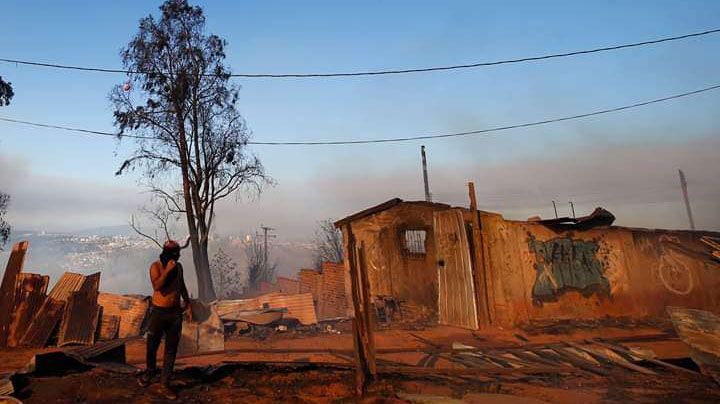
x=124, y=259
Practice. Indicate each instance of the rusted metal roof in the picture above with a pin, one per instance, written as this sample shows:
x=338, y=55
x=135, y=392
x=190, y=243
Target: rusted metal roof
x=51, y=312
x=81, y=314
x=7, y=288
x=131, y=311
x=30, y=294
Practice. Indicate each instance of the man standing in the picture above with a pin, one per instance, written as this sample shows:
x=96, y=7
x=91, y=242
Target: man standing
x=166, y=315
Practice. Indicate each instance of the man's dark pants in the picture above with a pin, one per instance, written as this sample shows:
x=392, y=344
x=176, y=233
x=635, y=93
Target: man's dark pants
x=167, y=321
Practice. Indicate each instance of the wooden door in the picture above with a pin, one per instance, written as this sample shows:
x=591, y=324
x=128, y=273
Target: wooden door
x=456, y=290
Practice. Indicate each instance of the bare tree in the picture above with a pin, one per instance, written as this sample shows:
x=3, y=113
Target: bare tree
x=6, y=94
x=162, y=221
x=258, y=268
x=4, y=226
x=226, y=275
x=327, y=244
x=190, y=136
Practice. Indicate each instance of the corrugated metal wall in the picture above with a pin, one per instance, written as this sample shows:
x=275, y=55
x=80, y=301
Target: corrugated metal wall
x=538, y=274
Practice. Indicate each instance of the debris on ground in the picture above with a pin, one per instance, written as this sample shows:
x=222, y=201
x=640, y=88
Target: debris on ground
x=700, y=330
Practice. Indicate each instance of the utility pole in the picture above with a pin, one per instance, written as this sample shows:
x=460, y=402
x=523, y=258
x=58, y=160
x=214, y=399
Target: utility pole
x=555, y=208
x=428, y=198
x=683, y=185
x=265, y=247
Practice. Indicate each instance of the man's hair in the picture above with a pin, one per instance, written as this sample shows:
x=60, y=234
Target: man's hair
x=170, y=251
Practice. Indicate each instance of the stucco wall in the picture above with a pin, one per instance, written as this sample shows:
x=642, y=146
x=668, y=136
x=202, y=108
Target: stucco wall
x=538, y=274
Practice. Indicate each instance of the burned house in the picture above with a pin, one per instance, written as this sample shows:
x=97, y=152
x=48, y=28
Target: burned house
x=476, y=269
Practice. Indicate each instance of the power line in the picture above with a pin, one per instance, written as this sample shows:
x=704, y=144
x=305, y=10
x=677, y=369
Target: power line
x=385, y=72
x=403, y=139
x=70, y=129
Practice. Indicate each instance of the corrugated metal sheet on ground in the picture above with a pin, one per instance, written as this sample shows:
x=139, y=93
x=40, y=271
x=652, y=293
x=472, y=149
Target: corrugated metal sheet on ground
x=227, y=307
x=131, y=310
x=30, y=294
x=51, y=311
x=7, y=288
x=299, y=306
x=95, y=350
x=81, y=314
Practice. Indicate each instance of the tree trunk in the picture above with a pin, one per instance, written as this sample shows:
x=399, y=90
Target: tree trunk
x=200, y=256
x=205, y=287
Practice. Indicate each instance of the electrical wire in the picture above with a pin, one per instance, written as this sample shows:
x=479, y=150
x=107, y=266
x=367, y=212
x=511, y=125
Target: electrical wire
x=386, y=72
x=399, y=139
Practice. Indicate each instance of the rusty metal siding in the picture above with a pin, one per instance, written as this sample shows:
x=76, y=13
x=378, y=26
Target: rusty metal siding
x=30, y=294
x=109, y=326
x=51, y=312
x=131, y=311
x=536, y=273
x=456, y=291
x=7, y=289
x=80, y=319
x=327, y=288
x=299, y=306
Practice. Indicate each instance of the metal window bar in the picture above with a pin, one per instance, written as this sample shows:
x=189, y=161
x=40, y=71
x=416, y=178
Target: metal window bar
x=415, y=242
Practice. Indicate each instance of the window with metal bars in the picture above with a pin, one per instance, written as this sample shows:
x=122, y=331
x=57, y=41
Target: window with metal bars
x=414, y=242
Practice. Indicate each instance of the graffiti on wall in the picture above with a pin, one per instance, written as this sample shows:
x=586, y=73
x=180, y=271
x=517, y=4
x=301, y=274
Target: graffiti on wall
x=672, y=271
x=564, y=264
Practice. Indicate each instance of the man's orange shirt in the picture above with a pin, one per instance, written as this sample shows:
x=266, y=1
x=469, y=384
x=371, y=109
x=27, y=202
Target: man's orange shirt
x=167, y=283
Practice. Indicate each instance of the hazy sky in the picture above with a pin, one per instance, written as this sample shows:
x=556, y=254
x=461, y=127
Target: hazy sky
x=626, y=162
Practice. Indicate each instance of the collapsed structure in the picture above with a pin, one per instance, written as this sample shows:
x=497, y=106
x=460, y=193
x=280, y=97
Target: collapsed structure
x=475, y=268
x=74, y=312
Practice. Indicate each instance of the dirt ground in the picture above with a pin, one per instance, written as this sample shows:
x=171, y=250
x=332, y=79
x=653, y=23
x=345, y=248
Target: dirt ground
x=302, y=377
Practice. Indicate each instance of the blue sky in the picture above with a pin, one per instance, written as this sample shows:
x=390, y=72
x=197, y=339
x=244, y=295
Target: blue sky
x=293, y=36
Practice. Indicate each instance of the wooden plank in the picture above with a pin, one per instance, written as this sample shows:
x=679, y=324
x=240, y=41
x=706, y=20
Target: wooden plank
x=368, y=310
x=365, y=371
x=580, y=362
x=479, y=268
x=456, y=290
x=473, y=371
x=533, y=358
x=7, y=288
x=488, y=357
x=624, y=351
x=611, y=358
